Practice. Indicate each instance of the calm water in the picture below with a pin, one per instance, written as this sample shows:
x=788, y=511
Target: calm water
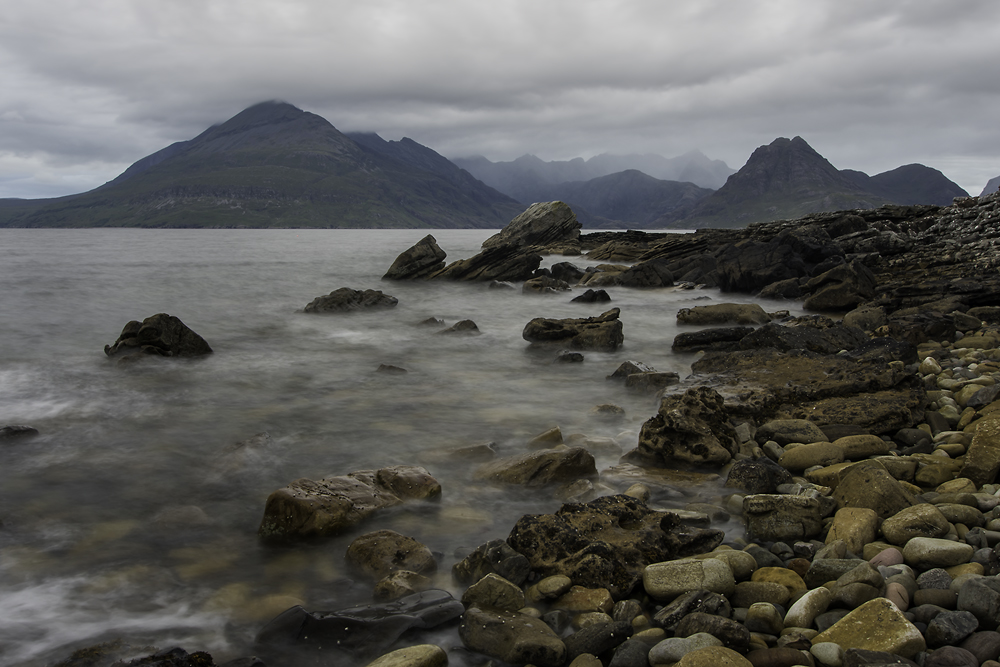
x=128, y=518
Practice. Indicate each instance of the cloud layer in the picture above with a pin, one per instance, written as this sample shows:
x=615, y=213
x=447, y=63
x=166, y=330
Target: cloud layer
x=88, y=88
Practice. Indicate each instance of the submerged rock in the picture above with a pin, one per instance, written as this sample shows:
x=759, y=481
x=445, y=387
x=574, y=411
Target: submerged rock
x=346, y=299
x=602, y=333
x=542, y=467
x=163, y=335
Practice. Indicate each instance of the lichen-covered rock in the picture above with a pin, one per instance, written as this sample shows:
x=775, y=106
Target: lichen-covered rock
x=601, y=333
x=163, y=335
x=690, y=428
x=606, y=543
x=316, y=508
x=346, y=299
x=421, y=260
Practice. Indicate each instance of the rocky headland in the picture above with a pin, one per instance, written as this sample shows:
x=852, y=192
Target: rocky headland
x=855, y=450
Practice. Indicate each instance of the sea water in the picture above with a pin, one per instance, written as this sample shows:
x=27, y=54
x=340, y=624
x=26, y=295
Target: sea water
x=132, y=516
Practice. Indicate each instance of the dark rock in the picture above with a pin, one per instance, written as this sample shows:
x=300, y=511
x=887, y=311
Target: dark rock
x=390, y=369
x=462, y=328
x=632, y=653
x=511, y=637
x=545, y=285
x=382, y=552
x=719, y=338
x=602, y=333
x=763, y=557
x=540, y=224
x=307, y=508
x=842, y=288
x=950, y=627
x=597, y=638
x=651, y=382
x=607, y=542
x=823, y=341
x=501, y=263
x=161, y=334
x=870, y=486
x=688, y=603
x=567, y=272
x=750, y=265
x=859, y=657
x=500, y=285
x=422, y=260
x=540, y=468
x=628, y=368
x=593, y=296
x=346, y=299
x=757, y=476
x=984, y=645
x=174, y=657
x=785, y=431
x=883, y=349
x=494, y=557
x=783, y=289
x=690, y=428
x=778, y=656
x=981, y=596
x=651, y=273
x=730, y=632
x=724, y=313
x=950, y=656
x=569, y=358
x=18, y=431
x=360, y=632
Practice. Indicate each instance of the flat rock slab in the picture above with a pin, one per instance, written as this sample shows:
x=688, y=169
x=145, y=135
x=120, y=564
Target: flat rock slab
x=316, y=508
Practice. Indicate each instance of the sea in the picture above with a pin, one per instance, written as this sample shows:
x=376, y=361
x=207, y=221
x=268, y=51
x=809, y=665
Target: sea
x=133, y=514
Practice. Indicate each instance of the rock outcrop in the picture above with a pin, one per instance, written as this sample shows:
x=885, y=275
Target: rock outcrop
x=602, y=333
x=420, y=261
x=346, y=299
x=161, y=335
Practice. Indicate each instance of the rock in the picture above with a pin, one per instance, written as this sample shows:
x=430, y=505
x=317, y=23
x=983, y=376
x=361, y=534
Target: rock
x=801, y=457
x=718, y=338
x=950, y=627
x=421, y=261
x=579, y=599
x=511, y=637
x=764, y=618
x=951, y=656
x=358, y=631
x=592, y=296
x=729, y=631
x=651, y=382
x=607, y=542
x=496, y=557
x=539, y=468
x=785, y=431
x=389, y=369
x=783, y=517
x=545, y=285
x=18, y=431
x=691, y=428
x=823, y=341
x=422, y=655
x=862, y=446
x=399, y=584
x=493, y=591
x=307, y=508
x=648, y=274
x=866, y=318
x=496, y=265
x=548, y=588
x=981, y=597
x=597, y=638
x=984, y=645
x=667, y=580
x=673, y=649
x=163, y=335
x=461, y=328
x=567, y=272
x=346, y=299
x=869, y=485
x=382, y=552
x=713, y=656
x=747, y=593
x=823, y=570
x=628, y=368
x=633, y=652
x=841, y=288
x=689, y=603
x=805, y=610
x=602, y=333
x=541, y=224
x=922, y=520
x=724, y=313
x=856, y=526
x=927, y=552
x=982, y=460
x=756, y=476
x=877, y=625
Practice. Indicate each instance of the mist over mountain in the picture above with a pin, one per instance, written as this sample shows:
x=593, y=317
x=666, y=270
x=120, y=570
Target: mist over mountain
x=274, y=165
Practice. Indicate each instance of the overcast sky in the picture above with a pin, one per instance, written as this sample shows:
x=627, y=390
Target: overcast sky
x=88, y=87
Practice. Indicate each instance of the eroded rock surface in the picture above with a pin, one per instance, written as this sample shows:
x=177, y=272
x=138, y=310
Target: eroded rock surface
x=162, y=335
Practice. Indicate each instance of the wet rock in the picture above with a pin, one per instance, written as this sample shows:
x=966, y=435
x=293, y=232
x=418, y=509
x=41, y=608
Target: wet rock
x=382, y=552
x=607, y=542
x=718, y=338
x=784, y=517
x=461, y=328
x=665, y=581
x=755, y=476
x=540, y=468
x=316, y=508
x=495, y=592
x=598, y=638
x=593, y=296
x=541, y=224
x=877, y=625
x=18, y=431
x=346, y=299
x=496, y=557
x=364, y=631
x=601, y=333
x=421, y=260
x=162, y=335
x=422, y=655
x=399, y=584
x=545, y=285
x=982, y=461
x=511, y=637
x=690, y=428
x=690, y=602
x=823, y=341
x=628, y=368
x=724, y=313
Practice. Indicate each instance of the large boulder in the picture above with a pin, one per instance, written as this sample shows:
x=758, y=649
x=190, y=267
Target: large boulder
x=315, y=508
x=541, y=224
x=842, y=288
x=503, y=263
x=163, y=335
x=420, y=261
x=602, y=333
x=511, y=637
x=606, y=543
x=651, y=273
x=346, y=299
x=690, y=428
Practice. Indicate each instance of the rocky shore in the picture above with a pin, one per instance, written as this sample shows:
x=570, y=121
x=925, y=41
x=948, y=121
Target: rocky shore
x=858, y=448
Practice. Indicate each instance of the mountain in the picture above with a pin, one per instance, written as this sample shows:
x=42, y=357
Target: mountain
x=991, y=186
x=785, y=179
x=909, y=184
x=521, y=178
x=628, y=198
x=274, y=165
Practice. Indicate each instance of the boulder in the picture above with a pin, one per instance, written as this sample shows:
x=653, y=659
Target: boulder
x=868, y=484
x=607, y=542
x=602, y=333
x=541, y=467
x=785, y=431
x=779, y=517
x=756, y=476
x=494, y=592
x=163, y=335
x=690, y=428
x=307, y=508
x=982, y=460
x=541, y=224
x=748, y=266
x=494, y=557
x=382, y=552
x=718, y=338
x=824, y=341
x=724, y=313
x=545, y=285
x=877, y=625
x=420, y=261
x=651, y=273
x=592, y=296
x=842, y=288
x=501, y=263
x=511, y=637
x=346, y=299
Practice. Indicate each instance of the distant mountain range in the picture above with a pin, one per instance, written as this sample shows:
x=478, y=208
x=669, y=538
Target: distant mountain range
x=274, y=165
x=991, y=186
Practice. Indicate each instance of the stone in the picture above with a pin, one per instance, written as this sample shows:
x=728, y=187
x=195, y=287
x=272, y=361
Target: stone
x=541, y=224
x=950, y=627
x=713, y=656
x=773, y=517
x=927, y=552
x=346, y=299
x=461, y=328
x=877, y=625
x=545, y=285
x=664, y=581
x=18, y=431
x=307, y=508
x=756, y=476
x=724, y=313
x=421, y=655
x=632, y=653
x=729, y=631
x=700, y=601
x=801, y=457
x=648, y=274
x=783, y=338
x=921, y=520
x=421, y=260
x=981, y=597
x=871, y=486
x=856, y=526
x=716, y=338
x=495, y=592
x=982, y=460
x=779, y=656
x=592, y=296
x=951, y=656
x=863, y=446
x=607, y=542
x=496, y=557
x=747, y=593
x=792, y=581
x=673, y=649
x=580, y=599
x=160, y=335
x=690, y=428
x=597, y=638
x=984, y=645
x=785, y=431
x=400, y=584
x=540, y=468
x=810, y=605
x=382, y=552
x=822, y=570
x=764, y=618
x=511, y=637
x=602, y=333
x=651, y=383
